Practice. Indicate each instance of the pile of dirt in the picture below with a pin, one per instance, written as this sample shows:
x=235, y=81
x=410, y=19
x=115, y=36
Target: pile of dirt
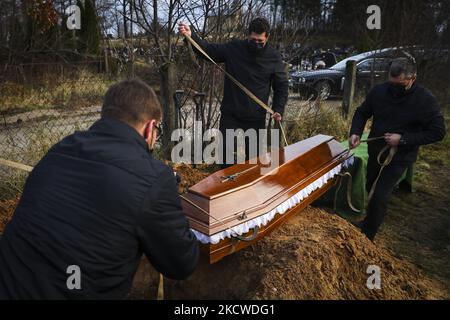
x=189, y=175
x=6, y=211
x=314, y=255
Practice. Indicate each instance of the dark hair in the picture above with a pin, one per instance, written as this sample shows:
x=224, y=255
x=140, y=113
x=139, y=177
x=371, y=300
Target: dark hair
x=259, y=26
x=131, y=101
x=403, y=66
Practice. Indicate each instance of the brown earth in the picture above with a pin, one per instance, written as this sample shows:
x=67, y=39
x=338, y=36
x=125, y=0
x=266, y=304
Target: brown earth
x=315, y=255
x=189, y=175
x=6, y=211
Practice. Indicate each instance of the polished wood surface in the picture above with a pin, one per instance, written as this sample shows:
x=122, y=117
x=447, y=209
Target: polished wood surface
x=231, y=245
x=212, y=187
x=251, y=194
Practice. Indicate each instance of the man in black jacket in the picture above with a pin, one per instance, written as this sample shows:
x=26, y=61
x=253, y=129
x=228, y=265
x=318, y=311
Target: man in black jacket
x=93, y=205
x=407, y=115
x=259, y=67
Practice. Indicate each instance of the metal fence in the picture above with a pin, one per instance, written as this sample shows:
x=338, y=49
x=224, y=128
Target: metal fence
x=40, y=104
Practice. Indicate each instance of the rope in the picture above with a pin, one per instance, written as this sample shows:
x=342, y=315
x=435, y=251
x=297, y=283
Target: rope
x=16, y=165
x=372, y=139
x=349, y=190
x=237, y=83
x=160, y=295
x=384, y=164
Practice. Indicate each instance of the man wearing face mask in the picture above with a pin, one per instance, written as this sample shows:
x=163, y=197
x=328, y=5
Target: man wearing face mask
x=407, y=115
x=93, y=205
x=255, y=64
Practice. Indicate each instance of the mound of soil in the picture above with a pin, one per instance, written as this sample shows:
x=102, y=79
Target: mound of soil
x=6, y=211
x=189, y=175
x=314, y=255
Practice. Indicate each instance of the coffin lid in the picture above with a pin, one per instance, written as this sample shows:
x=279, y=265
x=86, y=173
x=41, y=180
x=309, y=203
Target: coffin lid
x=258, y=188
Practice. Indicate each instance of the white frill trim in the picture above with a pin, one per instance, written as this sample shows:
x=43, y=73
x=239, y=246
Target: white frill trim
x=263, y=219
x=349, y=161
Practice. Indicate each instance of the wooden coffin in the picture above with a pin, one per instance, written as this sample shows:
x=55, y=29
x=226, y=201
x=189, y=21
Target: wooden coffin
x=234, y=207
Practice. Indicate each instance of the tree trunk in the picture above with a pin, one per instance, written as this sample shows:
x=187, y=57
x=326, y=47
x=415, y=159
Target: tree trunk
x=168, y=75
x=349, y=87
x=124, y=16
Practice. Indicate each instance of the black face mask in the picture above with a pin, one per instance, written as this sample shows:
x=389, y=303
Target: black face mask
x=397, y=90
x=255, y=47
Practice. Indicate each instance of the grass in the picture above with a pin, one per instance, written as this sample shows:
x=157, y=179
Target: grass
x=12, y=182
x=50, y=91
x=304, y=119
x=417, y=227
x=68, y=89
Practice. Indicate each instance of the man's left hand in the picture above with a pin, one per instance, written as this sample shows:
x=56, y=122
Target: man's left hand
x=276, y=116
x=392, y=139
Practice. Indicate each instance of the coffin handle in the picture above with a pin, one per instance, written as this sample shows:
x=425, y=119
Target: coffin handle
x=249, y=238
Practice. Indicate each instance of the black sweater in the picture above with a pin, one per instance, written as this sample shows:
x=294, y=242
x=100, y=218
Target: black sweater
x=258, y=73
x=416, y=116
x=97, y=200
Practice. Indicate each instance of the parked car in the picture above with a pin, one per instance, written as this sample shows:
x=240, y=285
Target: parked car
x=371, y=68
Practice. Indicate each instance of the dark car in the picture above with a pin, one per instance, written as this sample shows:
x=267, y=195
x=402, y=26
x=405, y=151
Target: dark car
x=371, y=68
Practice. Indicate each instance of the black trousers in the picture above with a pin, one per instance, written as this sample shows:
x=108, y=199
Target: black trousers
x=377, y=207
x=229, y=122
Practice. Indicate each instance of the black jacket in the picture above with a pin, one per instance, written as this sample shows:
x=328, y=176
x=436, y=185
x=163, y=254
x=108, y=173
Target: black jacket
x=97, y=200
x=258, y=73
x=416, y=116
